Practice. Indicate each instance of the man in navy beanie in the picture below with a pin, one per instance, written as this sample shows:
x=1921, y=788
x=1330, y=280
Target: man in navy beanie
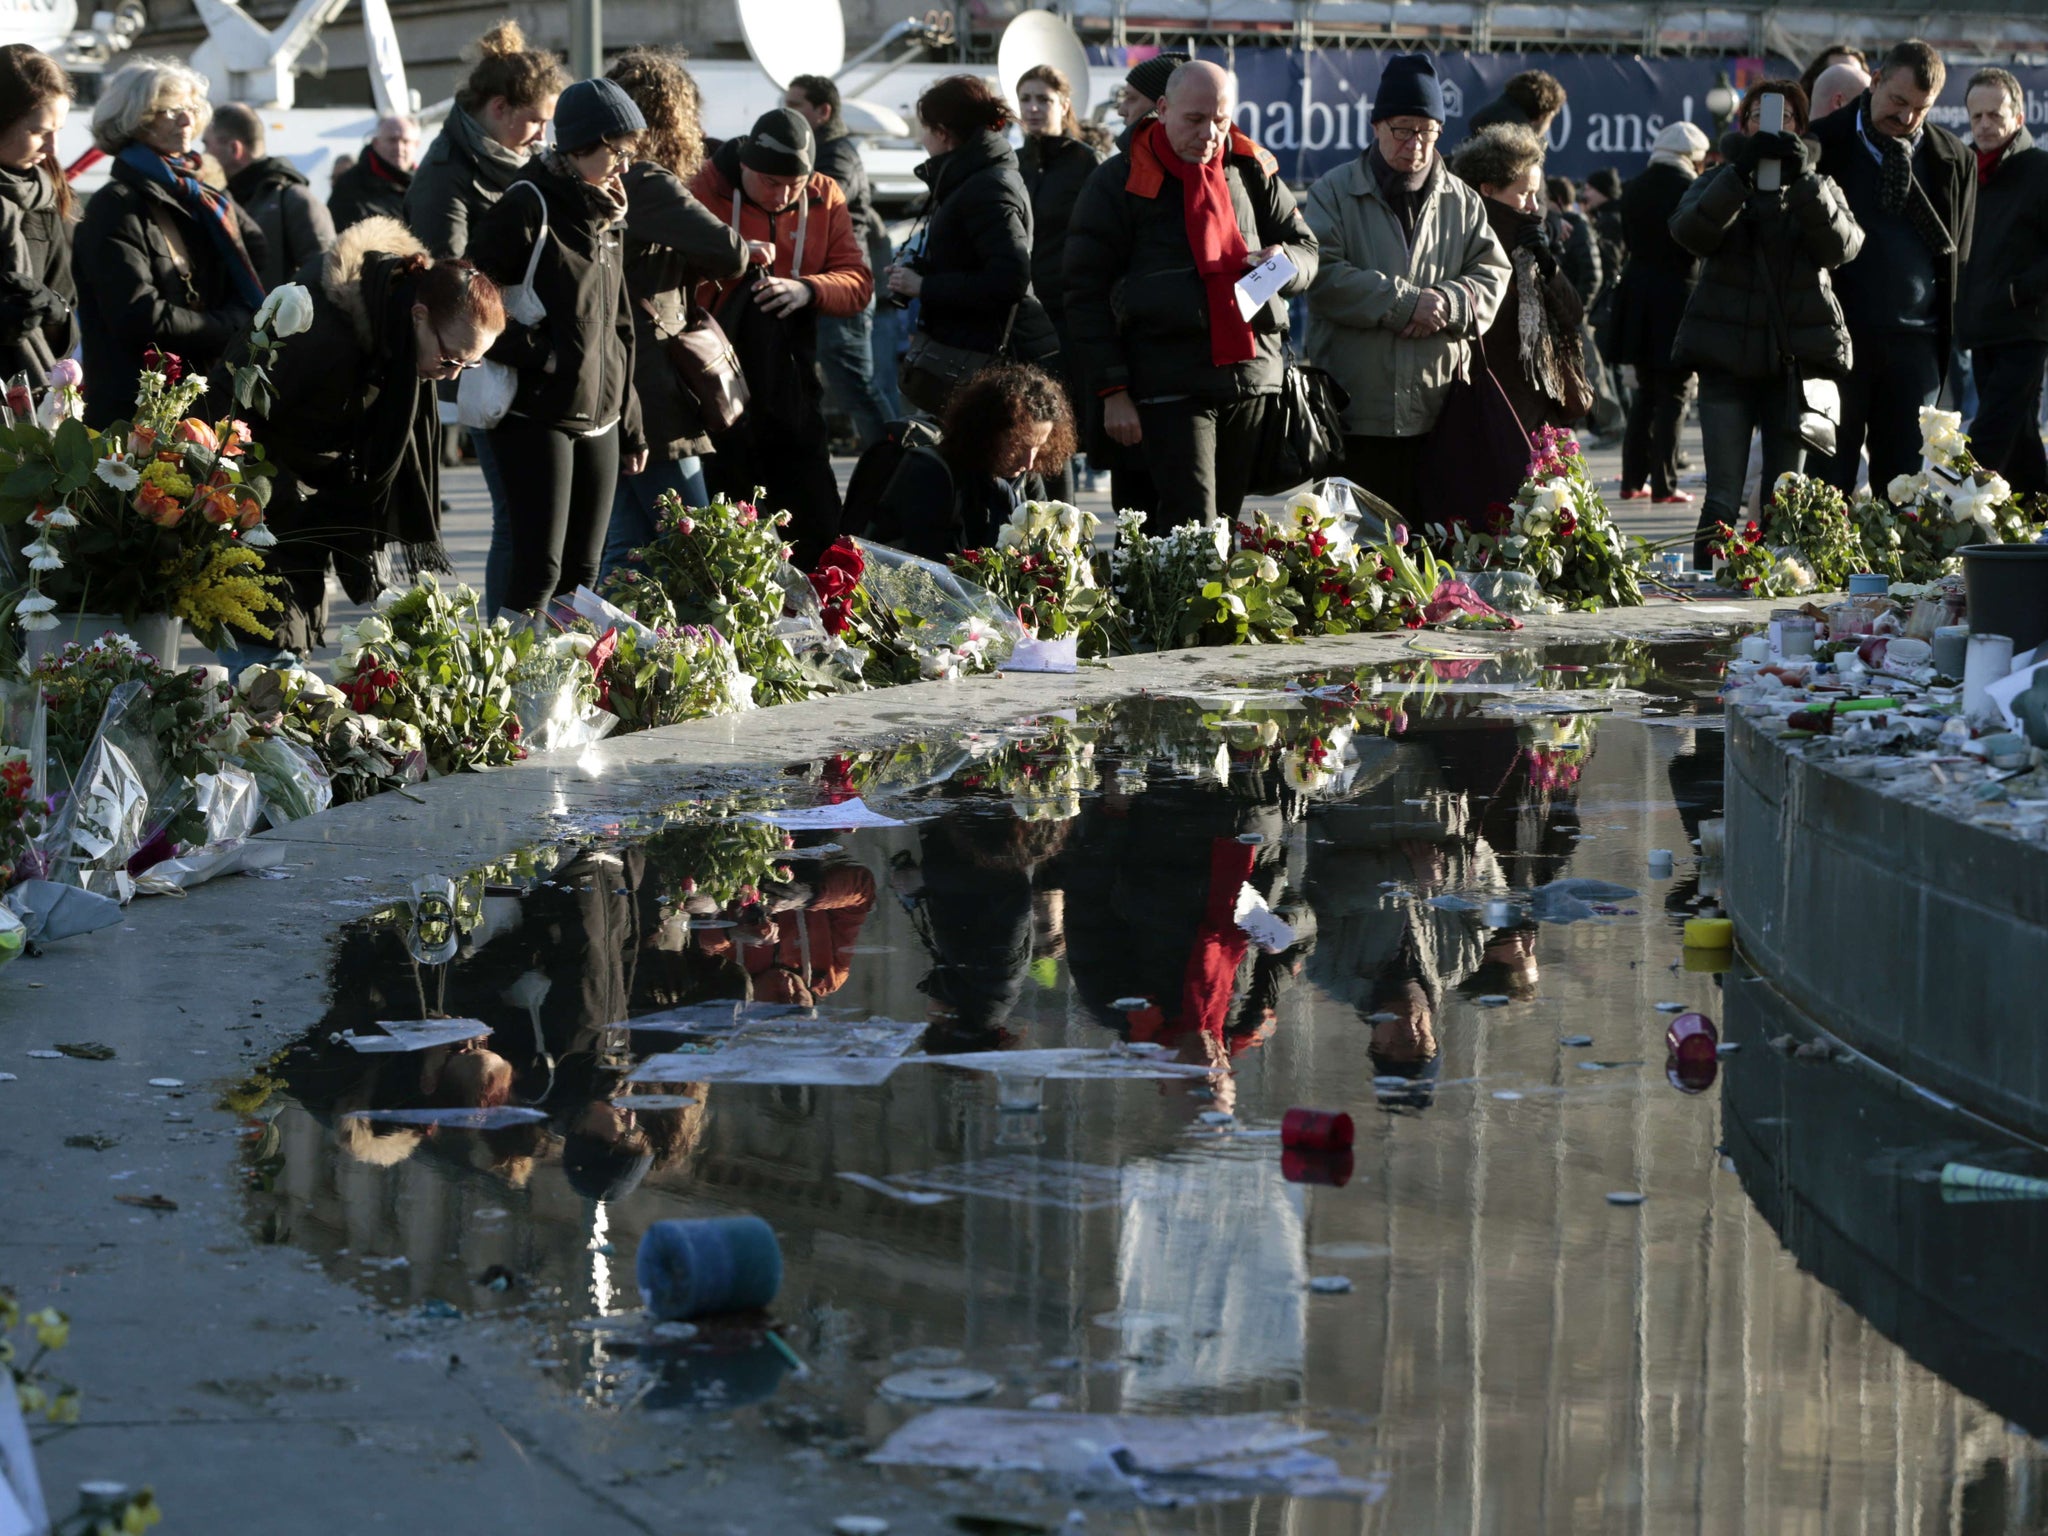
x=1410, y=275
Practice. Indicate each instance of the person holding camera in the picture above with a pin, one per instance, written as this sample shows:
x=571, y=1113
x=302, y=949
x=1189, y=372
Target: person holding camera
x=1763, y=316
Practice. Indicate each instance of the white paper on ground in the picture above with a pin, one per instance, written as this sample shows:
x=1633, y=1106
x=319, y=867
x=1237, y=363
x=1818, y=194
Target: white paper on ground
x=1035, y=655
x=1263, y=283
x=606, y=616
x=767, y=1064
x=2010, y=687
x=489, y=1119
x=1257, y=919
x=1230, y=1450
x=847, y=816
x=416, y=1035
x=1070, y=1063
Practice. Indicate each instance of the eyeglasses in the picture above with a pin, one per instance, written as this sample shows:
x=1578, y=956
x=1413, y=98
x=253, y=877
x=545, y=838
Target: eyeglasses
x=1428, y=135
x=457, y=363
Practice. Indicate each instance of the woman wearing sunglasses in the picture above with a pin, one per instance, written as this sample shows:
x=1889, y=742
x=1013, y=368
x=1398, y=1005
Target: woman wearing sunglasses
x=355, y=427
x=574, y=425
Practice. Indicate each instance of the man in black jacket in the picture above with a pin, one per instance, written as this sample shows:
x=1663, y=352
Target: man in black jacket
x=375, y=185
x=294, y=222
x=1911, y=185
x=846, y=345
x=1156, y=319
x=2002, y=311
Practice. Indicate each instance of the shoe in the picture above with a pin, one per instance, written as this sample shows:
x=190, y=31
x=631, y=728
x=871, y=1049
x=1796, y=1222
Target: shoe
x=1675, y=499
x=1637, y=494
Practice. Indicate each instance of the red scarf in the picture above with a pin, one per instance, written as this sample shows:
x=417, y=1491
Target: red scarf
x=1217, y=243
x=1987, y=162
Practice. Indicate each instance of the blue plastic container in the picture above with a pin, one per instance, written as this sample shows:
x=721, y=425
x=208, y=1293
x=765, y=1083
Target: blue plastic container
x=1869, y=584
x=690, y=1269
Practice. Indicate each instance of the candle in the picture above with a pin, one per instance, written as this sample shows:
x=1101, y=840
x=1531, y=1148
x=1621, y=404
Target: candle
x=1988, y=660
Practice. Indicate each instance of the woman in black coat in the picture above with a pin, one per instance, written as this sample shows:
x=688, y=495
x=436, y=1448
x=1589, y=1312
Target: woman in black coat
x=1647, y=307
x=35, y=215
x=1006, y=429
x=673, y=242
x=1763, y=292
x=1055, y=166
x=354, y=423
x=973, y=281
x=575, y=423
x=161, y=260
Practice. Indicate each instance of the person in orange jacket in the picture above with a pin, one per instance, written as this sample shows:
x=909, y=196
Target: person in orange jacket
x=808, y=262
x=802, y=954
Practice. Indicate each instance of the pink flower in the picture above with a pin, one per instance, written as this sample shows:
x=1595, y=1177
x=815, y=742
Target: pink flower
x=1401, y=534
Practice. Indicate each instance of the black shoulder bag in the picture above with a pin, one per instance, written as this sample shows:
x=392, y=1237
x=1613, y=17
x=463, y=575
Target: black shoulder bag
x=1813, y=405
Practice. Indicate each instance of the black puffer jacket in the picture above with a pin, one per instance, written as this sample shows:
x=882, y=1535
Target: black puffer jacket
x=1137, y=309
x=839, y=158
x=1534, y=347
x=1055, y=169
x=131, y=296
x=929, y=510
x=1651, y=298
x=672, y=243
x=2004, y=296
x=371, y=188
x=36, y=295
x=1756, y=244
x=295, y=223
x=588, y=330
x=977, y=253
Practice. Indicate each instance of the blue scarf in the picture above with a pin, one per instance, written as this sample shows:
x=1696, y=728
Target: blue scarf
x=212, y=211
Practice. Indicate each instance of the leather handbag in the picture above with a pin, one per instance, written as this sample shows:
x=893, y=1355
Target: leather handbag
x=932, y=371
x=1477, y=454
x=705, y=363
x=484, y=396
x=1302, y=436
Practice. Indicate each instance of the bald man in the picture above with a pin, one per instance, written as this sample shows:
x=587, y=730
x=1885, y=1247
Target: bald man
x=376, y=183
x=1837, y=86
x=1169, y=225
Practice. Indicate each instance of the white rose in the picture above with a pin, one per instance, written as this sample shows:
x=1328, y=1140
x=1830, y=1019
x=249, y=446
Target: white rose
x=1537, y=522
x=1008, y=536
x=286, y=312
x=1903, y=489
x=1786, y=482
x=373, y=631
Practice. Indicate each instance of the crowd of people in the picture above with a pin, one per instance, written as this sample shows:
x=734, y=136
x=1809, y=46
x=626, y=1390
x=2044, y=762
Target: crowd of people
x=1074, y=294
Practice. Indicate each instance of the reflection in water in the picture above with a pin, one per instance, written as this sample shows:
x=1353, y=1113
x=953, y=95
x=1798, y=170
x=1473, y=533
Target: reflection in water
x=1515, y=1353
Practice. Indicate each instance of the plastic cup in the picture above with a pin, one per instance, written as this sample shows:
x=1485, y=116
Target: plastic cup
x=690, y=1269
x=1020, y=1092
x=1303, y=1167
x=1692, y=1038
x=1316, y=1130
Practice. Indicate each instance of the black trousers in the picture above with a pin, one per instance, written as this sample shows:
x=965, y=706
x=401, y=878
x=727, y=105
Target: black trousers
x=1391, y=468
x=2006, y=434
x=1649, y=444
x=558, y=504
x=1200, y=454
x=1897, y=374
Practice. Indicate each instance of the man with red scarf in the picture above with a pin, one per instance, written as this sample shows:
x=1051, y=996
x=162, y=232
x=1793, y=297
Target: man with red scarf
x=1160, y=236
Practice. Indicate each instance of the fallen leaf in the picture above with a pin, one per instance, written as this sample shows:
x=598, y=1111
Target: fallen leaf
x=148, y=1202
x=94, y=1141
x=87, y=1050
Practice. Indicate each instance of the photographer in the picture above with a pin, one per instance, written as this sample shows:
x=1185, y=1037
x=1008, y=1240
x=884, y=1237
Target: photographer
x=1764, y=305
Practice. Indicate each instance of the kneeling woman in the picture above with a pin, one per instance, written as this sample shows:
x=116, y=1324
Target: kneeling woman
x=575, y=420
x=1004, y=430
x=355, y=428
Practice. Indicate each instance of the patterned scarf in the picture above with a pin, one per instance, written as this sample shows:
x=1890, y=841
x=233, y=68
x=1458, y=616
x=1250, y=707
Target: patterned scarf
x=1899, y=191
x=1218, y=246
x=211, y=210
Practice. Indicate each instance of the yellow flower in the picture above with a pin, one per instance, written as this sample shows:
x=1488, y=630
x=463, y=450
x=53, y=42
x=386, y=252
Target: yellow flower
x=10, y=1311
x=53, y=1328
x=168, y=479
x=33, y=1399
x=64, y=1407
x=222, y=594
x=143, y=1512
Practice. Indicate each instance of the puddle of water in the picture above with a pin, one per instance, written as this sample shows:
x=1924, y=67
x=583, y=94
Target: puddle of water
x=1761, y=1343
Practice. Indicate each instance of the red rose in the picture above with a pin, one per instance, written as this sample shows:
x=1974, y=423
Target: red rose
x=1385, y=573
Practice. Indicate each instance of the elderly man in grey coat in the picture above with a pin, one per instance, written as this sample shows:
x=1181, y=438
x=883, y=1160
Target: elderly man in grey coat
x=1410, y=275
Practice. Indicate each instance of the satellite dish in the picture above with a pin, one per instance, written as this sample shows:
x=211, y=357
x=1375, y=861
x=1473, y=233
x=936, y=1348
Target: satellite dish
x=1040, y=37
x=871, y=117
x=793, y=37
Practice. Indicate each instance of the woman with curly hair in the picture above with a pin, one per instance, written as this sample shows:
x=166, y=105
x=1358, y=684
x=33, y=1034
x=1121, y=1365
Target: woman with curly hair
x=673, y=242
x=1004, y=430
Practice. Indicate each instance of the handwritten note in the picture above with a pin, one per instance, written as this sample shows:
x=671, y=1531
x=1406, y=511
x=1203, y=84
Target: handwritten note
x=1258, y=286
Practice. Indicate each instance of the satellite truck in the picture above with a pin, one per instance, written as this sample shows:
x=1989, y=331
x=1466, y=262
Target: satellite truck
x=247, y=62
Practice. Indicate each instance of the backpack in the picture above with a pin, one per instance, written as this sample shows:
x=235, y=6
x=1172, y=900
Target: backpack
x=877, y=467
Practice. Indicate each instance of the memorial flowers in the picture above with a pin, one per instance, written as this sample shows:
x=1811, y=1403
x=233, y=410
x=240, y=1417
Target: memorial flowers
x=1557, y=530
x=1916, y=529
x=1804, y=542
x=906, y=618
x=161, y=515
x=1043, y=568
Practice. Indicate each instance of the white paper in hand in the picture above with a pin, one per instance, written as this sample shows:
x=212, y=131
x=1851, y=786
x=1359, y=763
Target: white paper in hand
x=1258, y=286
x=1258, y=920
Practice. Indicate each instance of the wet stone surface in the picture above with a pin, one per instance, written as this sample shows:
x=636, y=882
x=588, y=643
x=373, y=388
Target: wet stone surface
x=1549, y=1274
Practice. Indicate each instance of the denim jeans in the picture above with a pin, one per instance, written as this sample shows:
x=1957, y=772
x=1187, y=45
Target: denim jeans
x=846, y=356
x=1731, y=411
x=498, y=562
x=884, y=348
x=634, y=506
